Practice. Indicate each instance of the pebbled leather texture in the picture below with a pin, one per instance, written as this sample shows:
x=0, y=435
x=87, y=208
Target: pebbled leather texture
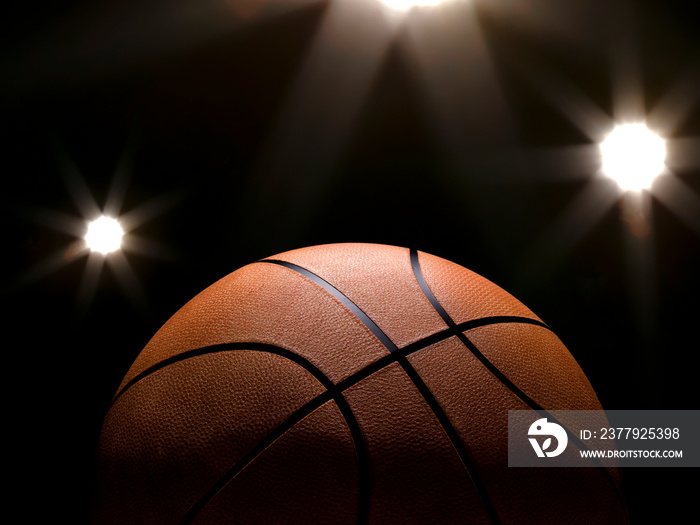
x=264, y=399
x=310, y=472
x=175, y=432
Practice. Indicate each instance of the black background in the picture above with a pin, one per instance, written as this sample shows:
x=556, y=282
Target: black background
x=175, y=107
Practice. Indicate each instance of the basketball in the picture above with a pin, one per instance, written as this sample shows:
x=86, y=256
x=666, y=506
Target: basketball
x=345, y=383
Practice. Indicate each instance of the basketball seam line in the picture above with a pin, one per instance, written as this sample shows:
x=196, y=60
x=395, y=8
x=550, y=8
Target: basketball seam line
x=455, y=438
x=423, y=389
x=415, y=264
x=253, y=453
x=343, y=384
x=337, y=389
x=333, y=390
x=331, y=393
x=418, y=274
x=351, y=379
x=349, y=304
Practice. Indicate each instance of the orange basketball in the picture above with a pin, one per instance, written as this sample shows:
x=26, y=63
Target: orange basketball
x=348, y=383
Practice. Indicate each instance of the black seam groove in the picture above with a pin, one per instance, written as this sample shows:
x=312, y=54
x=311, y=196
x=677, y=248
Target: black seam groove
x=467, y=342
x=349, y=381
x=415, y=378
x=253, y=453
x=262, y=347
x=388, y=343
x=453, y=436
x=418, y=273
x=415, y=264
x=276, y=434
x=331, y=392
x=435, y=405
x=335, y=391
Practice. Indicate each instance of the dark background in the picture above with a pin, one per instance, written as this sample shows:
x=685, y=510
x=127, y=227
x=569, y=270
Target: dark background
x=188, y=114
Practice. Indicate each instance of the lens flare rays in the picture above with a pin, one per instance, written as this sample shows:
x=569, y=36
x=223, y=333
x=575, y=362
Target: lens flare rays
x=637, y=152
x=627, y=151
x=101, y=235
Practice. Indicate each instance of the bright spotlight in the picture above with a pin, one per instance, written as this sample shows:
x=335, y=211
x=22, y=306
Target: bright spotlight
x=104, y=235
x=633, y=156
x=405, y=5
